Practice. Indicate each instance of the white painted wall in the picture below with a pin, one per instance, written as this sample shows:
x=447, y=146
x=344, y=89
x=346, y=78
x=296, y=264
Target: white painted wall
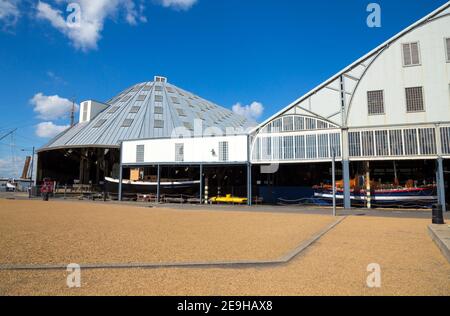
x=388, y=73
x=196, y=150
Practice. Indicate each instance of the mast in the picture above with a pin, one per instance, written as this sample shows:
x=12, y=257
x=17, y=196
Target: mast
x=72, y=113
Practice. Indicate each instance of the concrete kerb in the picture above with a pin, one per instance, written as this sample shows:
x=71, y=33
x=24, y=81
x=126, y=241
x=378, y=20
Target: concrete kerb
x=188, y=265
x=441, y=237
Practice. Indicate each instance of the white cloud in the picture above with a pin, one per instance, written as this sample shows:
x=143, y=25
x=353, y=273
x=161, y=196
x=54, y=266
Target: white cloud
x=10, y=168
x=52, y=107
x=55, y=78
x=49, y=129
x=9, y=12
x=252, y=112
x=87, y=33
x=178, y=4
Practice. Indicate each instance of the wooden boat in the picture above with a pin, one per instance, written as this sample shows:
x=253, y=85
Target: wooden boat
x=387, y=196
x=129, y=186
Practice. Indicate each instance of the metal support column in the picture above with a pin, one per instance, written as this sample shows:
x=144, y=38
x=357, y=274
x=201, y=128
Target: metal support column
x=346, y=169
x=346, y=178
x=201, y=183
x=440, y=178
x=120, y=172
x=249, y=184
x=333, y=181
x=440, y=181
x=120, y=181
x=158, y=186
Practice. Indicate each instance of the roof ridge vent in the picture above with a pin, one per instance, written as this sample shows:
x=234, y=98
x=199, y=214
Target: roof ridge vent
x=160, y=79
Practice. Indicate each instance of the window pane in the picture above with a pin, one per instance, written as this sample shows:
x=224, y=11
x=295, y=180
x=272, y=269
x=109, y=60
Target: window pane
x=223, y=151
x=445, y=140
x=140, y=153
x=406, y=55
x=410, y=142
x=427, y=141
x=288, y=124
x=311, y=150
x=368, y=144
x=414, y=99
x=381, y=138
x=159, y=110
x=99, y=123
x=447, y=42
x=127, y=122
x=135, y=109
x=375, y=102
x=415, y=57
x=396, y=141
x=159, y=124
x=179, y=152
x=288, y=144
x=323, y=145
x=355, y=144
x=300, y=147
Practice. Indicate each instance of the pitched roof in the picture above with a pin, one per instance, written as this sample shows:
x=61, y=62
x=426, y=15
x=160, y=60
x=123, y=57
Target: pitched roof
x=144, y=111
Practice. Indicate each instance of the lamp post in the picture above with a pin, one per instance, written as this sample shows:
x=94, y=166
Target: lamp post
x=333, y=171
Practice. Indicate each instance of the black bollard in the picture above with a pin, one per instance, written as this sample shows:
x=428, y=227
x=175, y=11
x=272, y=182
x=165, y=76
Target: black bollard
x=438, y=215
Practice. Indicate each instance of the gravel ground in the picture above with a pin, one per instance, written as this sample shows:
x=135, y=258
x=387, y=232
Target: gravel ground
x=34, y=232
x=336, y=265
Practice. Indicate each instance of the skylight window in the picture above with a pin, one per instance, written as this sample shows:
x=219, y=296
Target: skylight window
x=126, y=98
x=99, y=123
x=135, y=109
x=159, y=124
x=181, y=112
x=113, y=110
x=188, y=125
x=127, y=122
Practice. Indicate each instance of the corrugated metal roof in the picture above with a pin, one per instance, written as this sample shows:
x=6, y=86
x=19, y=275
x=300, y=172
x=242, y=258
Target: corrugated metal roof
x=179, y=107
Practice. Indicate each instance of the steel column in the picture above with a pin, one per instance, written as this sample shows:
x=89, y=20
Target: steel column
x=201, y=184
x=249, y=184
x=346, y=178
x=158, y=186
x=440, y=181
x=120, y=181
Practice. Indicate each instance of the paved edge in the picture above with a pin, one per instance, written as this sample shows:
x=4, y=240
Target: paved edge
x=191, y=265
x=437, y=233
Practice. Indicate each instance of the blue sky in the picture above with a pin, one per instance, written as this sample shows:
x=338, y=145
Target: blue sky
x=227, y=51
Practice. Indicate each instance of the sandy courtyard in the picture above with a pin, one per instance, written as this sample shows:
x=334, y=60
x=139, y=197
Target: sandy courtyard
x=34, y=232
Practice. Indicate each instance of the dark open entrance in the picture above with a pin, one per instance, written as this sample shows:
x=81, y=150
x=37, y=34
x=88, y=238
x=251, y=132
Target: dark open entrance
x=292, y=183
x=183, y=183
x=391, y=183
x=78, y=165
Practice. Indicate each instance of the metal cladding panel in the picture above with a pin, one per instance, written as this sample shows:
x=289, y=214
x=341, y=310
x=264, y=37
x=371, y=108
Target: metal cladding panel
x=180, y=109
